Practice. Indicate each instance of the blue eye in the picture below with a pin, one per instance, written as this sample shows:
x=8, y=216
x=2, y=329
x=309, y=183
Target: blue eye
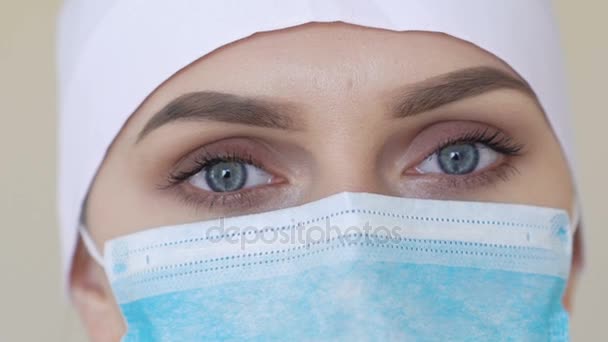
x=459, y=159
x=229, y=176
x=226, y=176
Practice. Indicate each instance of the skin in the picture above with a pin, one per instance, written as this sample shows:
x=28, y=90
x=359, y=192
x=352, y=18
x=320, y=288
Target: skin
x=339, y=84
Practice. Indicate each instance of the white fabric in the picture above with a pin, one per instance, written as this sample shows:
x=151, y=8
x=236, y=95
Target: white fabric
x=112, y=54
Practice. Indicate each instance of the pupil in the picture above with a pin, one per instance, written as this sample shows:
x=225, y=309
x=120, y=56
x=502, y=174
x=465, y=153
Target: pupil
x=458, y=159
x=226, y=176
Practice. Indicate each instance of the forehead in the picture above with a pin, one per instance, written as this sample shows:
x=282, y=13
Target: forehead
x=324, y=62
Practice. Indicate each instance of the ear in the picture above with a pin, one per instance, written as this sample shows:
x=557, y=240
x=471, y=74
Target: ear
x=91, y=294
x=577, y=267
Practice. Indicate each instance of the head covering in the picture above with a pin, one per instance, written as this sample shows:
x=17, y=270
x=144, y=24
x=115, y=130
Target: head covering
x=112, y=54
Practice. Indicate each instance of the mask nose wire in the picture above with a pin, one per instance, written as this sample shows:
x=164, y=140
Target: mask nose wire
x=90, y=245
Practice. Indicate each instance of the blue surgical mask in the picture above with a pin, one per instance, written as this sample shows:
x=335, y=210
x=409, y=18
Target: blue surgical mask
x=352, y=266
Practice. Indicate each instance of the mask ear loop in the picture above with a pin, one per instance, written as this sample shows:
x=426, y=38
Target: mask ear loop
x=90, y=245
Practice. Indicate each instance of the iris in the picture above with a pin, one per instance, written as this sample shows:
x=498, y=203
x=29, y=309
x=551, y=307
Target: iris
x=226, y=176
x=458, y=159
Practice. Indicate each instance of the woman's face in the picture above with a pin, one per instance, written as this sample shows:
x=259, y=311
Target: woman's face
x=291, y=116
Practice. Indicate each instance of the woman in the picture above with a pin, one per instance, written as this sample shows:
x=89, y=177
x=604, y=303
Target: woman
x=407, y=163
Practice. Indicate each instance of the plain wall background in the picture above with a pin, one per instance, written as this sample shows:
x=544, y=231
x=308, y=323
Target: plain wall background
x=32, y=305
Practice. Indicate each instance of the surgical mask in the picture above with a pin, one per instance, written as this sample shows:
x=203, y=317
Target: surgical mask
x=352, y=266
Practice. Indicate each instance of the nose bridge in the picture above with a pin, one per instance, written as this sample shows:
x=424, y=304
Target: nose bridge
x=347, y=138
x=347, y=161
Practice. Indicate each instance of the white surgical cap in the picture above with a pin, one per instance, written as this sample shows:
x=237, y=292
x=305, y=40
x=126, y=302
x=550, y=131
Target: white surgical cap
x=112, y=54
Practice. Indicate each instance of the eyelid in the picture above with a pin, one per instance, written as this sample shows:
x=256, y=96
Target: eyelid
x=272, y=157
x=248, y=150
x=206, y=160
x=487, y=157
x=253, y=174
x=200, y=162
x=495, y=140
x=447, y=186
x=433, y=138
x=242, y=201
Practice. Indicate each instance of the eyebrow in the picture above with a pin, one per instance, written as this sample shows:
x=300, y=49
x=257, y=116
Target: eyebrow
x=454, y=86
x=411, y=100
x=222, y=107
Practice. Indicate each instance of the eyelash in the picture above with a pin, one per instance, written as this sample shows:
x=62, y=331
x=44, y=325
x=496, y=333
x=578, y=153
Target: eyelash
x=207, y=160
x=495, y=140
x=241, y=198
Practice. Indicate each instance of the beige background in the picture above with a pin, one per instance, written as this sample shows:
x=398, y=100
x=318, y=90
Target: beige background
x=32, y=307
